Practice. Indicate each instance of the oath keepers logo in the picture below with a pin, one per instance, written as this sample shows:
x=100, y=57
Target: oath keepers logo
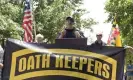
x=62, y=62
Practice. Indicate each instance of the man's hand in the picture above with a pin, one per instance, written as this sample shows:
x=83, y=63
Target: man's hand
x=77, y=34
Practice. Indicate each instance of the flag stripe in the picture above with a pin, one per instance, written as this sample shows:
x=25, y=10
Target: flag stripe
x=28, y=29
x=27, y=20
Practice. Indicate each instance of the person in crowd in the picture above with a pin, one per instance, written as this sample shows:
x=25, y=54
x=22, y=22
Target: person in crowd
x=39, y=38
x=70, y=31
x=99, y=41
x=130, y=71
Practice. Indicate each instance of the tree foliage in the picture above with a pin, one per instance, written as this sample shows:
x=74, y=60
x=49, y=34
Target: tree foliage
x=124, y=11
x=49, y=17
x=10, y=21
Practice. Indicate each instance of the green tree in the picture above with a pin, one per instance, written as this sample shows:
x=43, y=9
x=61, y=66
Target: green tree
x=9, y=21
x=49, y=16
x=124, y=11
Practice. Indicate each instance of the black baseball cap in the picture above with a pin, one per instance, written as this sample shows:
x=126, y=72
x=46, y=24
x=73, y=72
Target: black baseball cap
x=70, y=19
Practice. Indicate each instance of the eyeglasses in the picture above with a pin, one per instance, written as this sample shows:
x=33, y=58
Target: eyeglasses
x=99, y=35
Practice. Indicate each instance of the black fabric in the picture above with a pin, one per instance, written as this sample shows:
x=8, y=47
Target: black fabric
x=69, y=33
x=72, y=33
x=113, y=57
x=98, y=45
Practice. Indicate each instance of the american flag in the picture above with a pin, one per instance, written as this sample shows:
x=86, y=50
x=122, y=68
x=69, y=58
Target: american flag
x=27, y=22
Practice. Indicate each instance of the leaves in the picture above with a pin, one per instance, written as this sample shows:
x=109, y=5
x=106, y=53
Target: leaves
x=9, y=21
x=49, y=16
x=50, y=19
x=9, y=28
x=124, y=11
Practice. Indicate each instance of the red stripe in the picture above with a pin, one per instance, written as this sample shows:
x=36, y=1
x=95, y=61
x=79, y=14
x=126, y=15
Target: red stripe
x=26, y=29
x=29, y=26
x=25, y=37
x=27, y=22
x=29, y=32
x=29, y=37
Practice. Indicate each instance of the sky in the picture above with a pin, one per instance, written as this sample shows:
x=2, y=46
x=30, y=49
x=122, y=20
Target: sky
x=97, y=12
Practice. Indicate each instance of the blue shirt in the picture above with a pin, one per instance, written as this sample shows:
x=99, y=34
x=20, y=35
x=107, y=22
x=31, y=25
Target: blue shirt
x=129, y=73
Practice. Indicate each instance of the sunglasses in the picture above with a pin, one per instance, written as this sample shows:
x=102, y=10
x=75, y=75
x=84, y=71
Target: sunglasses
x=99, y=35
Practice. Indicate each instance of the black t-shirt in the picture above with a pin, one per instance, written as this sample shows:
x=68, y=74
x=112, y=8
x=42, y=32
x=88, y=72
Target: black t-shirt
x=96, y=44
x=70, y=33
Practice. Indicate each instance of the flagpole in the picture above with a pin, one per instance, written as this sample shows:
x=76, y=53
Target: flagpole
x=109, y=35
x=34, y=25
x=111, y=29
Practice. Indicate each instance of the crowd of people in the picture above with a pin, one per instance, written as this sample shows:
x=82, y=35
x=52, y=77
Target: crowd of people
x=70, y=31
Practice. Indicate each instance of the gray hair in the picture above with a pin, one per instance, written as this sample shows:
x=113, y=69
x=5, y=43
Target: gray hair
x=39, y=38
